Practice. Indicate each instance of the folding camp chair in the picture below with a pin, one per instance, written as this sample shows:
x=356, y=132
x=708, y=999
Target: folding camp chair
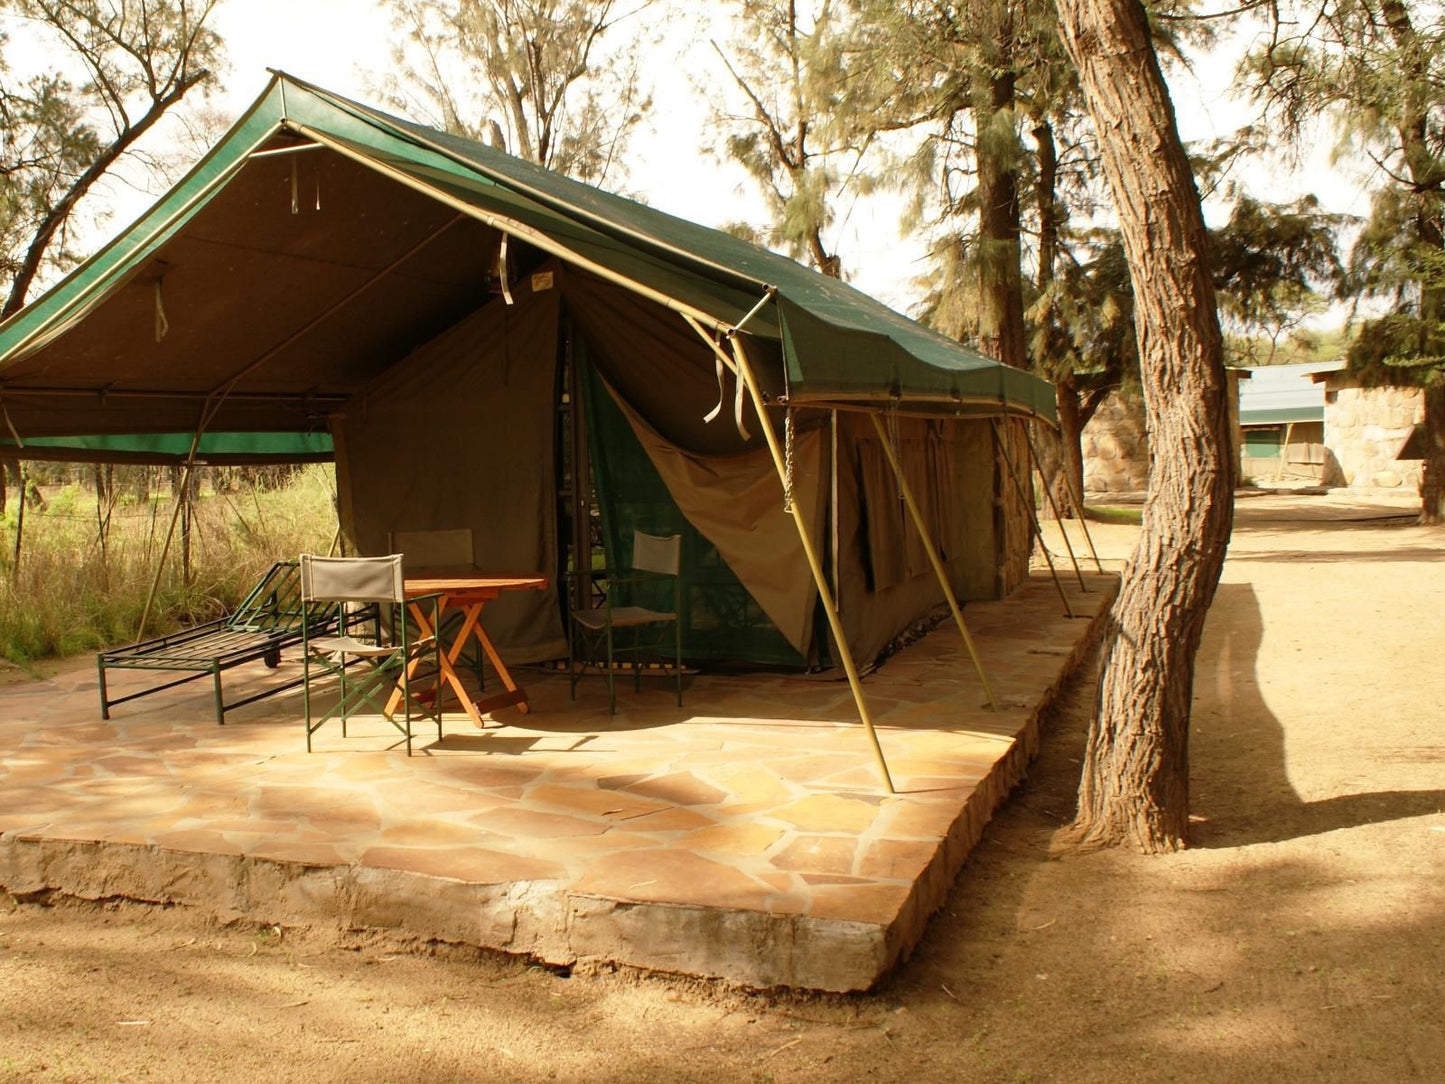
x=593, y=642
x=390, y=657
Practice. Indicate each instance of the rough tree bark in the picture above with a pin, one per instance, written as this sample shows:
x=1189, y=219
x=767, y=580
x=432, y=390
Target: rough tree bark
x=1001, y=330
x=1135, y=786
x=1432, y=480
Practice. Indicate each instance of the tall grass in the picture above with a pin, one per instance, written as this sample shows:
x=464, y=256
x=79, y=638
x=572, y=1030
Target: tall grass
x=70, y=594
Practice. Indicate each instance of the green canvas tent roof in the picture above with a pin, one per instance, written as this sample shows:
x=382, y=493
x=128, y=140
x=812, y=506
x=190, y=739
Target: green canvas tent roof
x=206, y=306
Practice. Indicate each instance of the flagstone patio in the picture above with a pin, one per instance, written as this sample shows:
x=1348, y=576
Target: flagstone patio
x=745, y=836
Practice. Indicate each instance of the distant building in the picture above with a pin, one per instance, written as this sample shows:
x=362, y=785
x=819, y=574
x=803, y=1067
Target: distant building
x=1282, y=419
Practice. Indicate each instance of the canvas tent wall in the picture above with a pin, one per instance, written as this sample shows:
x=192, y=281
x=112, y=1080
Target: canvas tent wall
x=330, y=271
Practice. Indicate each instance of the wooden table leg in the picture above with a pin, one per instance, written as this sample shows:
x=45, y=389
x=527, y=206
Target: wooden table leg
x=514, y=694
x=446, y=658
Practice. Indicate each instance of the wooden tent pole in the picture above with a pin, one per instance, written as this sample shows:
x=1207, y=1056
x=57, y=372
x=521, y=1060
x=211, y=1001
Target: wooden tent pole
x=933, y=557
x=745, y=374
x=998, y=438
x=1058, y=516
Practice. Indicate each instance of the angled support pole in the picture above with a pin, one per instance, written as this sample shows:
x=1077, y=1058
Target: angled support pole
x=1077, y=500
x=933, y=557
x=998, y=439
x=1058, y=516
x=745, y=374
x=208, y=413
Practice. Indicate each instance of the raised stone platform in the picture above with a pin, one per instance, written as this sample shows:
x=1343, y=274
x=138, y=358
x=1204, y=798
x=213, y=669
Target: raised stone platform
x=745, y=836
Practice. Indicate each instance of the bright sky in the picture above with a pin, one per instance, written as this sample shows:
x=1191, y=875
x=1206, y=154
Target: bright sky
x=335, y=43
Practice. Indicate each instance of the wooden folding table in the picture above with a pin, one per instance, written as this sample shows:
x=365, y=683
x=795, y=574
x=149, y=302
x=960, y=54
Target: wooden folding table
x=467, y=592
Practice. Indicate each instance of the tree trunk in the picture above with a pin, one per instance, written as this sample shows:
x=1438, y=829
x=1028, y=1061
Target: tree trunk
x=1001, y=302
x=1071, y=444
x=1432, y=478
x=56, y=217
x=1135, y=786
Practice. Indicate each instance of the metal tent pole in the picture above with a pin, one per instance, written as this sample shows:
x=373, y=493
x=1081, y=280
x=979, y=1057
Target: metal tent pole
x=745, y=374
x=1058, y=516
x=1077, y=500
x=208, y=412
x=998, y=437
x=933, y=557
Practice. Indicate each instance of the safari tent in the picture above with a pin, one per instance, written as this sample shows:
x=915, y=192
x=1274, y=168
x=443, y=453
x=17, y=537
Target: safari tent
x=481, y=343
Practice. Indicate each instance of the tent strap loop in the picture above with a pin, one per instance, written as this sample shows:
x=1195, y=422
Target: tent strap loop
x=502, y=272
x=722, y=391
x=738, y=400
x=163, y=325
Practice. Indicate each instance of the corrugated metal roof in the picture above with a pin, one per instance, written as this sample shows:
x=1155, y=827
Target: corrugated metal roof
x=1277, y=394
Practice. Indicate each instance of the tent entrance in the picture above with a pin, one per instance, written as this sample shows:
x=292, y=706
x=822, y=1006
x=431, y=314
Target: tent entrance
x=721, y=621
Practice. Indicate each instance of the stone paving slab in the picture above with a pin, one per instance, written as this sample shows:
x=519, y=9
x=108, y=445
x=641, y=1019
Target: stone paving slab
x=745, y=836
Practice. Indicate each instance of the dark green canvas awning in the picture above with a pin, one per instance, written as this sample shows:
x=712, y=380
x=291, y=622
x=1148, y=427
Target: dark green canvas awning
x=214, y=449
x=214, y=303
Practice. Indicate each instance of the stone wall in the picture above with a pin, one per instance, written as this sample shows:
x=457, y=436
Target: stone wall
x=1364, y=430
x=1116, y=450
x=1116, y=446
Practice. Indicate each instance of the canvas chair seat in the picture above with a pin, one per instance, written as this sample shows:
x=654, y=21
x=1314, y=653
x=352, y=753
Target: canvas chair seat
x=621, y=617
x=349, y=645
x=592, y=643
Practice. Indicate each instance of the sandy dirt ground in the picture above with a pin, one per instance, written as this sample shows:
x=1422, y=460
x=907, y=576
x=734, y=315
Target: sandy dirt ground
x=1301, y=938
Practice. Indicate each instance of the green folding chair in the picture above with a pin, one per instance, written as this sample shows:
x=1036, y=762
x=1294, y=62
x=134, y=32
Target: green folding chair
x=594, y=641
x=368, y=668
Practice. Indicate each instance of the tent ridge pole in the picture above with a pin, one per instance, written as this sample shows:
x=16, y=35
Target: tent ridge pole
x=511, y=226
x=745, y=374
x=722, y=355
x=769, y=292
x=516, y=185
x=917, y=516
x=998, y=437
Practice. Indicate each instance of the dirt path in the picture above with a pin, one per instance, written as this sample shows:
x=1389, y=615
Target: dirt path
x=1300, y=940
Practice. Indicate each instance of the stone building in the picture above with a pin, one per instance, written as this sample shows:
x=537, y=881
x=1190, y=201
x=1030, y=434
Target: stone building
x=1366, y=428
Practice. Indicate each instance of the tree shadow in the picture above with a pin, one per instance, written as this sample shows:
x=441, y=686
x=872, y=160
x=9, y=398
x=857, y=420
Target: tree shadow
x=1239, y=746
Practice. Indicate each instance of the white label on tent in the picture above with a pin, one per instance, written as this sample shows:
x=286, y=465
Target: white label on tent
x=542, y=280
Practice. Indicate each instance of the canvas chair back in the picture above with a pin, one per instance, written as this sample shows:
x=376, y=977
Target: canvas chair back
x=653, y=554
x=351, y=579
x=435, y=549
